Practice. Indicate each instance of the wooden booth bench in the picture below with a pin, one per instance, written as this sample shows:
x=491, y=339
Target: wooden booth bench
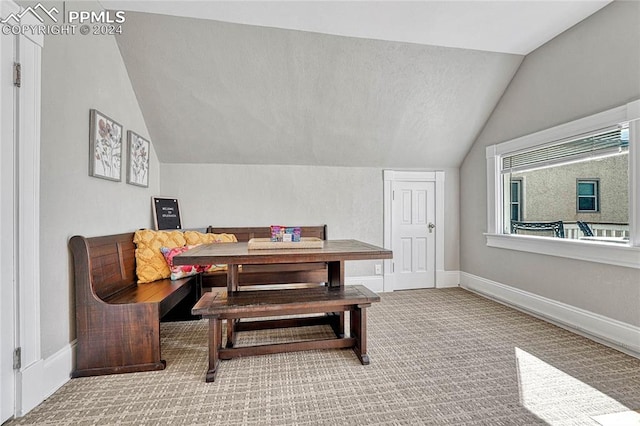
x=117, y=319
x=268, y=274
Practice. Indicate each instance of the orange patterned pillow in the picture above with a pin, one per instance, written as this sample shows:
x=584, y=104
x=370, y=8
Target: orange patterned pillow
x=150, y=262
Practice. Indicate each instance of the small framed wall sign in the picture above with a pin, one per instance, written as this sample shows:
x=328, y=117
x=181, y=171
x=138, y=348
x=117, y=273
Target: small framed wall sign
x=105, y=147
x=166, y=213
x=137, y=159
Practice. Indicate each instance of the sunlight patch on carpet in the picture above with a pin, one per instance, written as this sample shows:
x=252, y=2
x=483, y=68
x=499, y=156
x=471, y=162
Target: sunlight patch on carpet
x=625, y=418
x=555, y=396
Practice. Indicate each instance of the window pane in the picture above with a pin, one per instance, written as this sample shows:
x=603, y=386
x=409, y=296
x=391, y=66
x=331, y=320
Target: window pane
x=586, y=188
x=514, y=192
x=587, y=203
x=514, y=212
x=594, y=191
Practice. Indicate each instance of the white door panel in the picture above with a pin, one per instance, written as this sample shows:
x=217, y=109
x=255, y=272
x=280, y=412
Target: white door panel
x=413, y=209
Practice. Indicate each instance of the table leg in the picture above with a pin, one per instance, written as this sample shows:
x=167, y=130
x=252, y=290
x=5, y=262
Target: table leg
x=233, y=272
x=359, y=332
x=215, y=342
x=335, y=275
x=336, y=321
x=232, y=277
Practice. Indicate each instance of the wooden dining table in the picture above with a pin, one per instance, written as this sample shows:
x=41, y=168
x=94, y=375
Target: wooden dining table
x=334, y=252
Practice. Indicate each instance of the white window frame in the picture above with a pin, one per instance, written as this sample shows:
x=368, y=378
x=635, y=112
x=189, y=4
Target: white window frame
x=595, y=183
x=593, y=251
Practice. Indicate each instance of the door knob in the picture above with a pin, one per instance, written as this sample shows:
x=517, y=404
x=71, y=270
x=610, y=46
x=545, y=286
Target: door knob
x=431, y=226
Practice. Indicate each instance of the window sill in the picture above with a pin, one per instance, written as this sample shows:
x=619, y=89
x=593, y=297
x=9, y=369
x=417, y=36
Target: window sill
x=590, y=251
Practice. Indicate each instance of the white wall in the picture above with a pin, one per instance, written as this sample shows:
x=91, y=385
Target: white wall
x=592, y=67
x=348, y=199
x=79, y=73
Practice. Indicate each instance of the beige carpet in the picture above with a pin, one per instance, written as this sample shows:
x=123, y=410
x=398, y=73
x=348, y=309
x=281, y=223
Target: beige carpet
x=440, y=357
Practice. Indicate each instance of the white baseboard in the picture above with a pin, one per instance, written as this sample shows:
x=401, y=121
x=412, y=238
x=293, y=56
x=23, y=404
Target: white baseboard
x=616, y=334
x=41, y=379
x=374, y=283
x=446, y=279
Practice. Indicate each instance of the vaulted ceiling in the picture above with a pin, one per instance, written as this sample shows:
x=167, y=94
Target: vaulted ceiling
x=283, y=92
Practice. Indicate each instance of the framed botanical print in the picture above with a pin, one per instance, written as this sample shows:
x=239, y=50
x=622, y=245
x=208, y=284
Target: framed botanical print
x=137, y=160
x=105, y=147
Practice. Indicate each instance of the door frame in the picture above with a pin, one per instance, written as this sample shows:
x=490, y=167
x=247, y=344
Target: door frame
x=19, y=219
x=391, y=176
x=8, y=220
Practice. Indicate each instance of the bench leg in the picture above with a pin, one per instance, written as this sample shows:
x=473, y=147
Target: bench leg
x=215, y=342
x=229, y=333
x=359, y=332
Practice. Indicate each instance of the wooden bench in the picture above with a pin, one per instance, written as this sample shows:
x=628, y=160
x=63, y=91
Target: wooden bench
x=220, y=305
x=294, y=273
x=118, y=320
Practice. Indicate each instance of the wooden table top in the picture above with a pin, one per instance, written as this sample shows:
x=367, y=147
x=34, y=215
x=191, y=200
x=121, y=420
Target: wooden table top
x=239, y=254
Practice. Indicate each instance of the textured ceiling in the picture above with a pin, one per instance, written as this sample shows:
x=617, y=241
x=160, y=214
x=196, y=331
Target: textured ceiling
x=215, y=92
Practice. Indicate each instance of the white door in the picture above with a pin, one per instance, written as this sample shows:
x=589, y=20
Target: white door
x=413, y=234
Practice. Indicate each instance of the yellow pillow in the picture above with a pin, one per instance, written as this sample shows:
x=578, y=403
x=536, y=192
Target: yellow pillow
x=150, y=262
x=194, y=237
